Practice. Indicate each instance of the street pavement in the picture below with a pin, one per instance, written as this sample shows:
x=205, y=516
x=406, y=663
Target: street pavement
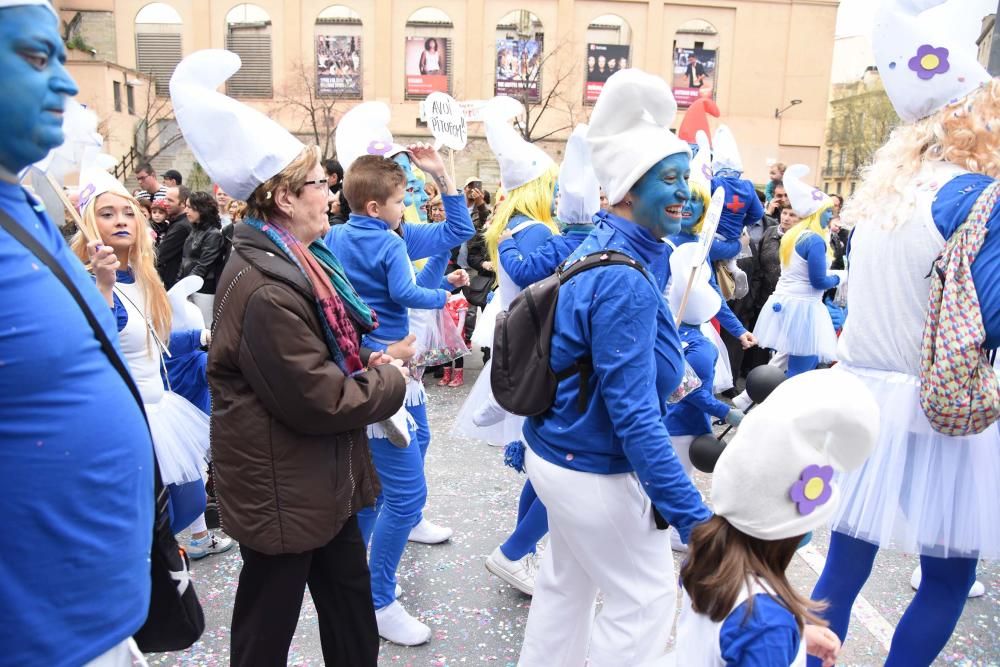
x=478, y=620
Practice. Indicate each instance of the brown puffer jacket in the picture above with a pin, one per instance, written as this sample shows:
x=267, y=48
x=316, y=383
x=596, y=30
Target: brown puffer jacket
x=289, y=448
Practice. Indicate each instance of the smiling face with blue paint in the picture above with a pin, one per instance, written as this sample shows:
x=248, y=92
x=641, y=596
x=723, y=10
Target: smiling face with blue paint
x=694, y=210
x=32, y=59
x=403, y=160
x=420, y=197
x=658, y=198
x=825, y=217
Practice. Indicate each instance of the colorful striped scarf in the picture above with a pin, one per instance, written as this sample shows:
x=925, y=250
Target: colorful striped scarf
x=341, y=311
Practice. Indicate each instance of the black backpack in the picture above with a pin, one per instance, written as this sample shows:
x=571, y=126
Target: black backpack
x=522, y=378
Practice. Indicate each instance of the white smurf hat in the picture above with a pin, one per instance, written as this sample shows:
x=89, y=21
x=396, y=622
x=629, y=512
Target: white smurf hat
x=579, y=191
x=238, y=146
x=364, y=130
x=186, y=315
x=520, y=162
x=804, y=198
x=703, y=301
x=922, y=69
x=775, y=479
x=94, y=182
x=7, y=4
x=701, y=163
x=629, y=130
x=725, y=152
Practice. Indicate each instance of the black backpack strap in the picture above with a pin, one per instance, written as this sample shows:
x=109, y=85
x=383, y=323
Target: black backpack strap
x=25, y=238
x=584, y=367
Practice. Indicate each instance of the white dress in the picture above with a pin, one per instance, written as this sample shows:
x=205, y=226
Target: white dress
x=794, y=319
x=179, y=429
x=920, y=491
x=698, y=636
x=509, y=428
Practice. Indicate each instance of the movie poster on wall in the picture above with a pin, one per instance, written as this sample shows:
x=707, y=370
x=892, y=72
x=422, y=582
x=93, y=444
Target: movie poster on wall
x=694, y=75
x=603, y=60
x=338, y=65
x=518, y=64
x=426, y=65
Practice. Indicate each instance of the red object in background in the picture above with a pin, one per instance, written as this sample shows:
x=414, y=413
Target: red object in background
x=457, y=308
x=716, y=326
x=696, y=118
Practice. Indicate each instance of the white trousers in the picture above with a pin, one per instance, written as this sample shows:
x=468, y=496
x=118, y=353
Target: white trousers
x=123, y=654
x=682, y=445
x=602, y=537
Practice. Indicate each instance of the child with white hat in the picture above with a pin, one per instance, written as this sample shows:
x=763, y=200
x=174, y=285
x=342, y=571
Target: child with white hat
x=605, y=472
x=773, y=484
x=794, y=320
x=922, y=491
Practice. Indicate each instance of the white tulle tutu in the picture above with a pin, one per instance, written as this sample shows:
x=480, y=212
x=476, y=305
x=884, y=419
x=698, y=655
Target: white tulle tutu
x=180, y=437
x=504, y=431
x=922, y=492
x=723, y=371
x=800, y=326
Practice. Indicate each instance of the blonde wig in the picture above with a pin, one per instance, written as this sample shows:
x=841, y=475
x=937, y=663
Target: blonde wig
x=810, y=223
x=532, y=199
x=966, y=134
x=141, y=259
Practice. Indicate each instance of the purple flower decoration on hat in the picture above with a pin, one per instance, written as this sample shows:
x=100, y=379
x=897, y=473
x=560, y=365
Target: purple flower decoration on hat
x=930, y=61
x=377, y=147
x=706, y=171
x=818, y=195
x=85, y=196
x=812, y=488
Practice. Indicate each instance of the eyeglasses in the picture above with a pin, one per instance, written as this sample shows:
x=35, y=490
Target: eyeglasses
x=318, y=181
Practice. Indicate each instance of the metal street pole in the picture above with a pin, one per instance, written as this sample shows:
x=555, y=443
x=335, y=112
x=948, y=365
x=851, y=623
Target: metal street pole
x=994, y=66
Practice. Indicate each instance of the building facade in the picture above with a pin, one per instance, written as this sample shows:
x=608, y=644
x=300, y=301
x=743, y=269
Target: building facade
x=306, y=59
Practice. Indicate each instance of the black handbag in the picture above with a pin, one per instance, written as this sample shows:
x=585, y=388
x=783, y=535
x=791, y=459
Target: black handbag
x=175, y=620
x=479, y=288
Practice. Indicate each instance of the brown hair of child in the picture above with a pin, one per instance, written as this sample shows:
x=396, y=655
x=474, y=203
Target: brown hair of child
x=372, y=178
x=723, y=560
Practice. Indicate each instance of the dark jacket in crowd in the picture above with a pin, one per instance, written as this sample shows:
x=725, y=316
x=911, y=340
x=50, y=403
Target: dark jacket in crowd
x=290, y=453
x=204, y=255
x=171, y=250
x=766, y=278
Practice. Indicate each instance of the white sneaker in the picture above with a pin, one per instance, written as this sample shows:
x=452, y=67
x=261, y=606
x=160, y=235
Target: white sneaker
x=427, y=532
x=675, y=541
x=978, y=590
x=489, y=413
x=397, y=626
x=743, y=401
x=208, y=545
x=520, y=574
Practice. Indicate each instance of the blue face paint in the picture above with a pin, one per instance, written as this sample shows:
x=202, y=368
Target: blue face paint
x=659, y=196
x=825, y=218
x=420, y=197
x=403, y=160
x=694, y=209
x=555, y=200
x=32, y=59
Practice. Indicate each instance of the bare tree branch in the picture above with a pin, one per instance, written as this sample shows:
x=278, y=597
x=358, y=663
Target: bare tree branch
x=553, y=102
x=316, y=114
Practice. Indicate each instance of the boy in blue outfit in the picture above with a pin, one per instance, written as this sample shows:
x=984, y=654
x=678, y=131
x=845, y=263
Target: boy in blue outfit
x=377, y=261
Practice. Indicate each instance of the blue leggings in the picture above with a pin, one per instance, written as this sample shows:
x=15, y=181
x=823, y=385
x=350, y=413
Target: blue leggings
x=397, y=510
x=532, y=525
x=930, y=619
x=797, y=365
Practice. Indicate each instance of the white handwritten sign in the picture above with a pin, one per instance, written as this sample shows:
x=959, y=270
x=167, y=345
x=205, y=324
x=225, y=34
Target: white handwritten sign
x=446, y=120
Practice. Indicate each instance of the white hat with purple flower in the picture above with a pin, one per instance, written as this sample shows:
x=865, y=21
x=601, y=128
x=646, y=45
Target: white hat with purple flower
x=922, y=68
x=777, y=477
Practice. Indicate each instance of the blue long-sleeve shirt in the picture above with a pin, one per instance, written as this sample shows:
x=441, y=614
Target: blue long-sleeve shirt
x=690, y=416
x=742, y=207
x=376, y=262
x=727, y=318
x=424, y=240
x=812, y=248
x=769, y=636
x=950, y=209
x=617, y=316
x=525, y=269
x=76, y=465
x=531, y=238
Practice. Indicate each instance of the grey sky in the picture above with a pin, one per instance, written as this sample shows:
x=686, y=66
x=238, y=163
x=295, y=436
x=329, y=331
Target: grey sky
x=855, y=16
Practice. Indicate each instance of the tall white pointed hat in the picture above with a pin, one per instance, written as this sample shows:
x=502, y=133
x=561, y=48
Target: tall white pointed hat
x=579, y=191
x=520, y=162
x=629, y=130
x=238, y=146
x=364, y=130
x=923, y=69
x=804, y=198
x=725, y=152
x=95, y=181
x=5, y=4
x=701, y=163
